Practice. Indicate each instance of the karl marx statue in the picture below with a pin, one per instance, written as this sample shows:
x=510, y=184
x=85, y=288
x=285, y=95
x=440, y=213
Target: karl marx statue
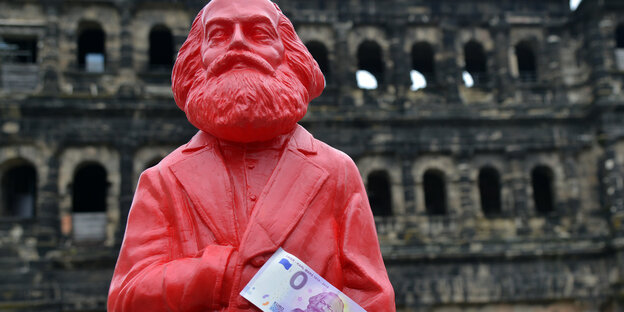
x=209, y=215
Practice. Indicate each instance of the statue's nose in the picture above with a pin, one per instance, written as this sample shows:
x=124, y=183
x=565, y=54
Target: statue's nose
x=238, y=39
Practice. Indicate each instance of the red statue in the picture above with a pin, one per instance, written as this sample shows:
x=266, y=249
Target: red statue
x=210, y=214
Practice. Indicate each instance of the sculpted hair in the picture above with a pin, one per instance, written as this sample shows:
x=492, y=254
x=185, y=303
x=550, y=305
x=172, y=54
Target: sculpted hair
x=189, y=68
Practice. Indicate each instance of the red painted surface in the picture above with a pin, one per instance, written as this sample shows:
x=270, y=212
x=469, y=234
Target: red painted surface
x=207, y=217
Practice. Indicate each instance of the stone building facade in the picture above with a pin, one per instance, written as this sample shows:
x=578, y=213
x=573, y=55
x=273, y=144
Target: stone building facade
x=497, y=187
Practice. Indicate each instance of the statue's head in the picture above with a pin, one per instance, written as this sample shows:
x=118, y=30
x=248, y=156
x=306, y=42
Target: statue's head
x=325, y=302
x=243, y=74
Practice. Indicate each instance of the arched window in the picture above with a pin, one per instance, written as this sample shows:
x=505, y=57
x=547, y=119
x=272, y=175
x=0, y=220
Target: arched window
x=476, y=62
x=619, y=36
x=21, y=50
x=91, y=47
x=490, y=191
x=370, y=60
x=19, y=191
x=435, y=192
x=320, y=54
x=423, y=61
x=543, y=193
x=527, y=68
x=379, y=193
x=90, y=188
x=619, y=46
x=161, y=48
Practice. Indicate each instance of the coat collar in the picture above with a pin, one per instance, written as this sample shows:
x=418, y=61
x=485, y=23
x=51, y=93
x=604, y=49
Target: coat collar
x=300, y=140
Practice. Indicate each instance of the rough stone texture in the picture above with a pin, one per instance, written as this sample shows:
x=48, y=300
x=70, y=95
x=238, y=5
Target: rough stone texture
x=566, y=116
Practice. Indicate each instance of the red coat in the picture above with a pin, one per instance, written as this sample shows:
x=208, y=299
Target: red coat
x=181, y=250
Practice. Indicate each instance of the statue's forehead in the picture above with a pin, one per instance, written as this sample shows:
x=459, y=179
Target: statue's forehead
x=239, y=10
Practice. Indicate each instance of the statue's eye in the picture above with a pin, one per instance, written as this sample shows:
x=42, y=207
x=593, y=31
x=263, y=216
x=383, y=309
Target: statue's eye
x=261, y=34
x=217, y=35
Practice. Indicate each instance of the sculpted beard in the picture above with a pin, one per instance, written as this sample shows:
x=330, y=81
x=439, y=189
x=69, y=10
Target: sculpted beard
x=247, y=105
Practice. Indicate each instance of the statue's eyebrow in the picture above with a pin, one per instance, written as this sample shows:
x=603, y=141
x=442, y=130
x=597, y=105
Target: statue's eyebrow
x=244, y=19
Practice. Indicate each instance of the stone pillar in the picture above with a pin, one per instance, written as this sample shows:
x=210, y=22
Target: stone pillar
x=127, y=189
x=408, y=183
x=49, y=60
x=344, y=74
x=47, y=210
x=503, y=81
x=449, y=72
x=518, y=181
x=128, y=87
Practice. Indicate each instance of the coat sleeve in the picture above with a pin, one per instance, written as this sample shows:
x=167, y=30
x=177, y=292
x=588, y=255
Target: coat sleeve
x=148, y=278
x=365, y=277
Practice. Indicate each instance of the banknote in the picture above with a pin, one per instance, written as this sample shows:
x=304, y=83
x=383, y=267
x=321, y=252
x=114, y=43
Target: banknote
x=287, y=284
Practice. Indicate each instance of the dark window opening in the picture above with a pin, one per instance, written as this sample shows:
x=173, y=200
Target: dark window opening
x=423, y=60
x=527, y=68
x=435, y=192
x=320, y=54
x=19, y=49
x=476, y=62
x=379, y=193
x=91, y=47
x=370, y=59
x=161, y=49
x=90, y=189
x=490, y=191
x=619, y=47
x=19, y=187
x=619, y=37
x=543, y=196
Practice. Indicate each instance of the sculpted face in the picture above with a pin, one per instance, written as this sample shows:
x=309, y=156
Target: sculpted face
x=243, y=75
x=247, y=32
x=325, y=302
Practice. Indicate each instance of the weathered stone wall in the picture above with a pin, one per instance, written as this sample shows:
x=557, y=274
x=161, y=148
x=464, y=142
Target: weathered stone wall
x=565, y=116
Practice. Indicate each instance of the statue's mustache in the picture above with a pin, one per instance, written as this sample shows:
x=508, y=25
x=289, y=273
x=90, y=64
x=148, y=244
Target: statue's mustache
x=231, y=59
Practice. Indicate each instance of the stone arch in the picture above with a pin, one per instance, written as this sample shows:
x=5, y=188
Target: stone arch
x=321, y=55
x=34, y=156
x=18, y=189
x=161, y=48
x=374, y=165
x=475, y=61
x=619, y=36
x=91, y=43
x=542, y=184
x=559, y=183
x=434, y=190
x=444, y=167
x=504, y=170
x=379, y=192
x=423, y=60
x=71, y=161
x=526, y=61
x=147, y=18
x=370, y=59
x=489, y=182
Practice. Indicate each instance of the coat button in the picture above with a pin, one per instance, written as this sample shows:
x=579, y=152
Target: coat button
x=258, y=261
x=253, y=198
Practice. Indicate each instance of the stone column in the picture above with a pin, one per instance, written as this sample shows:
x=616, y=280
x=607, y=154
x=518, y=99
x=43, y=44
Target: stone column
x=503, y=81
x=49, y=71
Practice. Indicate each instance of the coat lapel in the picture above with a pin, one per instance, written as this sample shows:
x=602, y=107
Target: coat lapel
x=205, y=180
x=294, y=183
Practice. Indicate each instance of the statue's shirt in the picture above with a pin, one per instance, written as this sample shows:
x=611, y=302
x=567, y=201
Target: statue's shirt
x=250, y=166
